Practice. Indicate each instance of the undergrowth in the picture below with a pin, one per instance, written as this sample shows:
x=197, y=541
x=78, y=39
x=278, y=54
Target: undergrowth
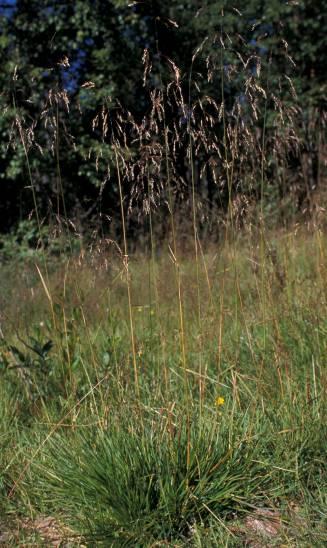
x=198, y=449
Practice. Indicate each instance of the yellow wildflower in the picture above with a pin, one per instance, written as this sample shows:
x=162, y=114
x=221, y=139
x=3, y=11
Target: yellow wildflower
x=219, y=401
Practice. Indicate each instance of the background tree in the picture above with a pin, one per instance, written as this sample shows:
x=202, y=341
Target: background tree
x=65, y=64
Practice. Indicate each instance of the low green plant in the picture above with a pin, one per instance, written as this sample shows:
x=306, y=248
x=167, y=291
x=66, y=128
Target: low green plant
x=200, y=450
x=28, y=242
x=131, y=484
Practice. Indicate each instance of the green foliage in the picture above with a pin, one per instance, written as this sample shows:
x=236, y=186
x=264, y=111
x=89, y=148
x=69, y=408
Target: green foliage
x=140, y=484
x=28, y=371
x=24, y=243
x=182, y=461
x=8, y=432
x=28, y=242
x=66, y=65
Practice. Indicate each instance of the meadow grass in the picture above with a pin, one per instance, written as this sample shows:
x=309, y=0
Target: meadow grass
x=174, y=396
x=220, y=438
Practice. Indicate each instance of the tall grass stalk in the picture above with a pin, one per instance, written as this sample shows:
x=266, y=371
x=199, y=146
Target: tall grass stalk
x=127, y=275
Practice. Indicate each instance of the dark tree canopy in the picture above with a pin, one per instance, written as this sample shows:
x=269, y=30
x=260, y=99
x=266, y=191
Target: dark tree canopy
x=65, y=64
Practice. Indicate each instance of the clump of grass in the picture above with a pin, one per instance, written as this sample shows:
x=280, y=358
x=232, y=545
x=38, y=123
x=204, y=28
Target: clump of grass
x=131, y=483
